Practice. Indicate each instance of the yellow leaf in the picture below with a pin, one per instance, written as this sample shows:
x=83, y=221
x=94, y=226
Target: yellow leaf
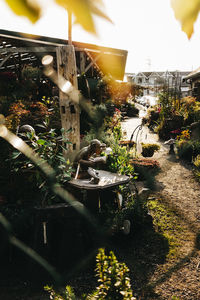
x=186, y=11
x=26, y=8
x=83, y=11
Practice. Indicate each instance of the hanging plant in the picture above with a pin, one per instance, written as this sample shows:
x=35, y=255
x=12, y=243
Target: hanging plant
x=149, y=149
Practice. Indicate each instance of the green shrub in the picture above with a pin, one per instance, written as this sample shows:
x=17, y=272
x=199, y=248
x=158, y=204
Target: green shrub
x=66, y=294
x=151, y=119
x=163, y=130
x=188, y=150
x=119, y=159
x=49, y=146
x=131, y=110
x=196, y=163
x=112, y=276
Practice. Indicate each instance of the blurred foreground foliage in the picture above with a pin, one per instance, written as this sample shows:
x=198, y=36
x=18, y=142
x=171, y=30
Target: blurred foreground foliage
x=186, y=12
x=83, y=10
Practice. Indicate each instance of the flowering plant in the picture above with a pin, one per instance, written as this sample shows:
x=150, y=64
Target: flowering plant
x=185, y=135
x=148, y=163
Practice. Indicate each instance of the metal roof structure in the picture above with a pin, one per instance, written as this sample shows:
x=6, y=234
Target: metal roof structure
x=17, y=49
x=194, y=74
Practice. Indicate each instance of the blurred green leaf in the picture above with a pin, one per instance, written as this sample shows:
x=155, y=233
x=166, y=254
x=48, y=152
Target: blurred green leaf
x=29, y=9
x=41, y=126
x=41, y=142
x=83, y=11
x=186, y=13
x=16, y=154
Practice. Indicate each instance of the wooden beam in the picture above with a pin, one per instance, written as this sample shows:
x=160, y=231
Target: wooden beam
x=93, y=63
x=53, y=49
x=28, y=49
x=98, y=51
x=82, y=62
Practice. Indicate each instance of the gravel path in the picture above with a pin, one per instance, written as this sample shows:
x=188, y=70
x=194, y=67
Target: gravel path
x=176, y=180
x=179, y=189
x=177, y=185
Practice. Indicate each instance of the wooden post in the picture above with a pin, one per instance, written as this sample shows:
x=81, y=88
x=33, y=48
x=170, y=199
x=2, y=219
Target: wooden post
x=69, y=110
x=69, y=28
x=82, y=62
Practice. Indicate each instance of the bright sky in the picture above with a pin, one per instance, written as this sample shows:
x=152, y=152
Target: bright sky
x=146, y=28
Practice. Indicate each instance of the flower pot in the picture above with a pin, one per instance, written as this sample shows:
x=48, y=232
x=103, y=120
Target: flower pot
x=147, y=152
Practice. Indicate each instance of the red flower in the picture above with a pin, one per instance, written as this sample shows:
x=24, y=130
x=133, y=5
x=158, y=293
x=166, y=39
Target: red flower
x=176, y=131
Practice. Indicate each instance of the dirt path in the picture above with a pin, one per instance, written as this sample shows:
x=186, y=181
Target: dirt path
x=178, y=189
x=177, y=183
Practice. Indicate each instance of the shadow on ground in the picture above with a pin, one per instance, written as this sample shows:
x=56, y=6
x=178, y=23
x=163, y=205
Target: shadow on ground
x=142, y=252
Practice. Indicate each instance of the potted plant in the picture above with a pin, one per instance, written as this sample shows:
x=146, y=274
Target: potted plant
x=149, y=149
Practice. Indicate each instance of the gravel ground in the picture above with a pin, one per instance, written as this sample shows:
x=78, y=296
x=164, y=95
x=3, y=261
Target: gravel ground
x=179, y=189
x=177, y=185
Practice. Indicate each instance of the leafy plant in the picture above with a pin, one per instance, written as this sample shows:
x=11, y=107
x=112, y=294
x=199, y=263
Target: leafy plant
x=50, y=147
x=119, y=159
x=107, y=129
x=188, y=149
x=114, y=282
x=189, y=109
x=166, y=104
x=66, y=294
x=196, y=163
x=131, y=110
x=175, y=298
x=113, y=278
